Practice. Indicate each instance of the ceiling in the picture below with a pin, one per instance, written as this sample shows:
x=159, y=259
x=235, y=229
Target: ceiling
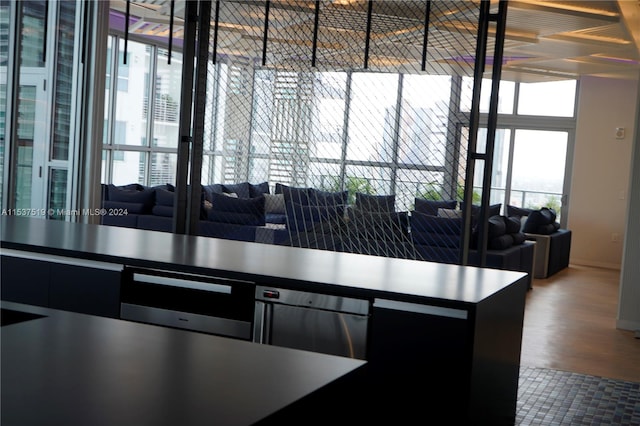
x=544, y=39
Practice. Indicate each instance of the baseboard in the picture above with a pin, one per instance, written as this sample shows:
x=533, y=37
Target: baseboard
x=585, y=262
x=628, y=325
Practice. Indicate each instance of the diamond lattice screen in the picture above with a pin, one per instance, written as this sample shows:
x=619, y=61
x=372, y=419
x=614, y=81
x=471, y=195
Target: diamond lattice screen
x=338, y=124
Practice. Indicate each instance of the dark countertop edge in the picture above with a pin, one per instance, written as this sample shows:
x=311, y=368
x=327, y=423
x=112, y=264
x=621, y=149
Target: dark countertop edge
x=294, y=283
x=333, y=289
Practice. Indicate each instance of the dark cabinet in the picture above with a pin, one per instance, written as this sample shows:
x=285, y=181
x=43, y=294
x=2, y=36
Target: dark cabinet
x=423, y=354
x=60, y=285
x=24, y=281
x=85, y=290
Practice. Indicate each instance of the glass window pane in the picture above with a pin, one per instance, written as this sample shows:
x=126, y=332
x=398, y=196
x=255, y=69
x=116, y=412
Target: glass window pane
x=327, y=124
x=28, y=125
x=128, y=167
x=166, y=112
x=421, y=184
x=57, y=192
x=3, y=113
x=538, y=177
x=368, y=180
x=423, y=119
x=262, y=111
x=259, y=170
x=103, y=173
x=64, y=82
x=107, y=93
x=325, y=176
x=132, y=98
x=505, y=95
x=32, y=37
x=163, y=168
x=372, y=117
x=500, y=165
x=550, y=98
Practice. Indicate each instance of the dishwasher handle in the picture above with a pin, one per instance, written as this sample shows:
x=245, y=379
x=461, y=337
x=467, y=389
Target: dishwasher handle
x=182, y=283
x=262, y=322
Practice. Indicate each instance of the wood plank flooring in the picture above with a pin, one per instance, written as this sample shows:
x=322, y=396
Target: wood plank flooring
x=570, y=325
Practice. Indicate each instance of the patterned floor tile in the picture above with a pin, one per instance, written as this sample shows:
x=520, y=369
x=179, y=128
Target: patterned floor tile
x=552, y=397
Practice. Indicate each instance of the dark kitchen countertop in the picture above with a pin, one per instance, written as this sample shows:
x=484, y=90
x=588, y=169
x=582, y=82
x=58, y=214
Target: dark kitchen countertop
x=73, y=369
x=303, y=269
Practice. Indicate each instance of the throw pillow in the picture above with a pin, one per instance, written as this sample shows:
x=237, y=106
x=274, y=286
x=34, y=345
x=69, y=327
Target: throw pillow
x=540, y=222
x=293, y=194
x=450, y=213
x=494, y=209
x=375, y=203
x=497, y=227
x=242, y=189
x=518, y=238
x=322, y=198
x=144, y=197
x=513, y=224
x=517, y=211
x=258, y=189
x=500, y=243
x=249, y=206
x=208, y=190
x=431, y=206
x=274, y=203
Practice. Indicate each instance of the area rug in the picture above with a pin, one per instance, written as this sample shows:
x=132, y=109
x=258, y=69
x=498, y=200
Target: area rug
x=552, y=397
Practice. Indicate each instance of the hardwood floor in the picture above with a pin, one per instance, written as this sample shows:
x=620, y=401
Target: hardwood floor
x=570, y=325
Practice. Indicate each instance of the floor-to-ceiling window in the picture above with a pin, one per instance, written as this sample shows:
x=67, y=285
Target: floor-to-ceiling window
x=378, y=127
x=142, y=108
x=533, y=145
x=39, y=104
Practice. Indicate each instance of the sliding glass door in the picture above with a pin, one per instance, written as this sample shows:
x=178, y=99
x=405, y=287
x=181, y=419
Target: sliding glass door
x=529, y=168
x=539, y=160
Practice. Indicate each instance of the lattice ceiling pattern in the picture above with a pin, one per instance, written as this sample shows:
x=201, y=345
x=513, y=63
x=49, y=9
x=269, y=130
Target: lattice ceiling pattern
x=545, y=39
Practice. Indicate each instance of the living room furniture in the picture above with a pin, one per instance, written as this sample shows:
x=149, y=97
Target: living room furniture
x=552, y=252
x=553, y=244
x=310, y=218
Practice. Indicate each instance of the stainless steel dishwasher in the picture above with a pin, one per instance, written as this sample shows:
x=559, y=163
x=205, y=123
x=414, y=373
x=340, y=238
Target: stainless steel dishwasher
x=316, y=322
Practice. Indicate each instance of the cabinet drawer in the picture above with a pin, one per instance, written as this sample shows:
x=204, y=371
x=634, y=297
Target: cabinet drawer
x=186, y=320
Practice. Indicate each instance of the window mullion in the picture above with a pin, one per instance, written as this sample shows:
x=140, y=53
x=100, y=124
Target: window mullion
x=151, y=110
x=113, y=93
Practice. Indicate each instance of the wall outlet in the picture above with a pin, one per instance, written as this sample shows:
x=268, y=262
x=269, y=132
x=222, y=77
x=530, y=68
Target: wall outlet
x=619, y=132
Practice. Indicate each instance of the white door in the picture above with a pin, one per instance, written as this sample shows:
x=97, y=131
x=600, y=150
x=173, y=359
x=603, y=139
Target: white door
x=32, y=145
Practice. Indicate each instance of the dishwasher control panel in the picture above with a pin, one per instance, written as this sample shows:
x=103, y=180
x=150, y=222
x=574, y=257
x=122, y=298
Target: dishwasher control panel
x=312, y=300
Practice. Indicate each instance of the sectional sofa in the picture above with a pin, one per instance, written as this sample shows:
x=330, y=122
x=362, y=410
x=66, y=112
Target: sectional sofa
x=311, y=218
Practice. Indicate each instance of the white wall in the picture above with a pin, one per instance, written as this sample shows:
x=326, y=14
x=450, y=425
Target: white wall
x=629, y=306
x=601, y=170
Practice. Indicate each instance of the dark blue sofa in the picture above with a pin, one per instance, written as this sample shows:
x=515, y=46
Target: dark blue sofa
x=310, y=218
x=436, y=235
x=137, y=206
x=553, y=244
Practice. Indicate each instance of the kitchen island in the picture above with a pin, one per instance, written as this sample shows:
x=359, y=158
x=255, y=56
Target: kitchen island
x=64, y=368
x=452, y=332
